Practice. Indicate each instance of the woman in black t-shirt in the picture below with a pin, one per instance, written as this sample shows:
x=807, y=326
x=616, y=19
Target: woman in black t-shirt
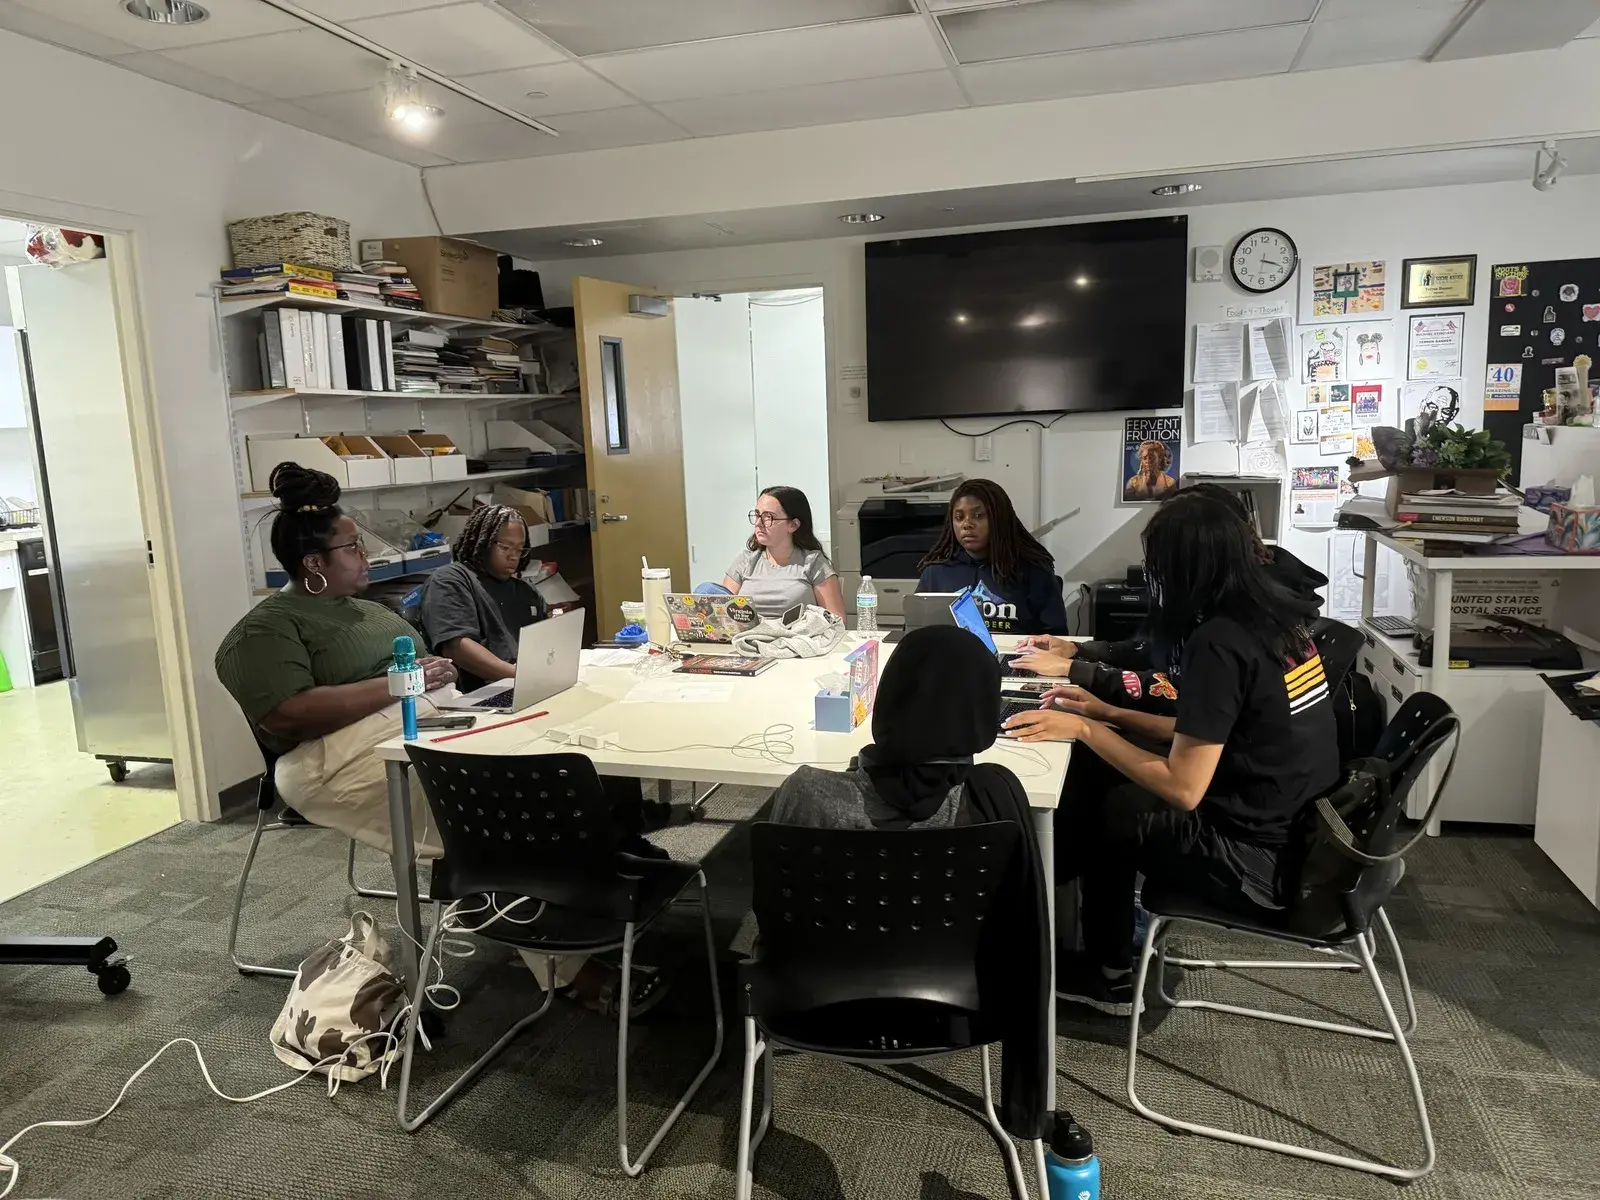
x=1253, y=742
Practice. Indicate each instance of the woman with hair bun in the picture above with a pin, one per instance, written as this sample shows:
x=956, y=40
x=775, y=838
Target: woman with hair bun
x=309, y=668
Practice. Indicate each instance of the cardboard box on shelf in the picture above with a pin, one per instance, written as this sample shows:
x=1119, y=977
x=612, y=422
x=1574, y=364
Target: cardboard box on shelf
x=355, y=460
x=455, y=277
x=406, y=460
x=533, y=505
x=444, y=455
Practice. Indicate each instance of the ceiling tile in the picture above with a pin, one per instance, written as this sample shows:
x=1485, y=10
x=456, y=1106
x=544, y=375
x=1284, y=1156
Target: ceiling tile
x=360, y=113
x=37, y=25
x=158, y=66
x=818, y=104
x=287, y=66
x=763, y=61
x=607, y=129
x=1400, y=32
x=489, y=142
x=603, y=26
x=1134, y=68
x=356, y=10
x=303, y=118
x=1512, y=26
x=1051, y=26
x=1341, y=10
x=227, y=19
x=459, y=39
x=402, y=151
x=567, y=87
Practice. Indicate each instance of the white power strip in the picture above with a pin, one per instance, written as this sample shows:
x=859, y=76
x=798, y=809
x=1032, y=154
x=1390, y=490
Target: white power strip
x=585, y=737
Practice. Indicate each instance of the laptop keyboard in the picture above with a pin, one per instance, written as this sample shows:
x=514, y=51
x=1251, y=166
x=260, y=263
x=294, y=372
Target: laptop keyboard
x=501, y=700
x=1008, y=665
x=1010, y=708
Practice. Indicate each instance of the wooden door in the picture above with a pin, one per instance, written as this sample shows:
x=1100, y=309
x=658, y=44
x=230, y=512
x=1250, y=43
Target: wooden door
x=628, y=369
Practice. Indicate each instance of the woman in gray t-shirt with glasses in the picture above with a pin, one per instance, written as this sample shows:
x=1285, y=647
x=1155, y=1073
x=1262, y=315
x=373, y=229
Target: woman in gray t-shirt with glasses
x=783, y=563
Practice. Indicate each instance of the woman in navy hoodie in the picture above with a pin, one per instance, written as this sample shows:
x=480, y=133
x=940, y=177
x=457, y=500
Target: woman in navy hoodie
x=984, y=547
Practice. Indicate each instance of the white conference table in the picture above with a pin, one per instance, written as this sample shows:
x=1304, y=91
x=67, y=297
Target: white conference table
x=752, y=732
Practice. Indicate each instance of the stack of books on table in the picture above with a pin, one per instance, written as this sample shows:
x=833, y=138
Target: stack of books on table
x=1451, y=516
x=288, y=279
x=397, y=289
x=494, y=361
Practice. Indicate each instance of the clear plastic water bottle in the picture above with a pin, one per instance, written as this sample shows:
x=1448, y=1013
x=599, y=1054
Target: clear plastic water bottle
x=406, y=683
x=1070, y=1165
x=866, y=606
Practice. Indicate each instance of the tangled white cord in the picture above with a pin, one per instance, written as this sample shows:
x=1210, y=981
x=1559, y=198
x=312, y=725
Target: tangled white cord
x=775, y=744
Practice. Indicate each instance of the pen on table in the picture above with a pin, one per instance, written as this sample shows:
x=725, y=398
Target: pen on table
x=450, y=737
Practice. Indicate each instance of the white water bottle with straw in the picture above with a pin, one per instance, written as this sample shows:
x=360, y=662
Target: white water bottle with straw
x=654, y=584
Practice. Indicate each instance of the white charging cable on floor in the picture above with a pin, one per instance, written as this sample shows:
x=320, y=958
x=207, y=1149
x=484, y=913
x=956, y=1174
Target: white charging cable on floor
x=11, y=1169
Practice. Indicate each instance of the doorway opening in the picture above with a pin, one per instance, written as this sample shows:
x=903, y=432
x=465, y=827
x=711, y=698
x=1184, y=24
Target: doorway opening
x=82, y=701
x=752, y=373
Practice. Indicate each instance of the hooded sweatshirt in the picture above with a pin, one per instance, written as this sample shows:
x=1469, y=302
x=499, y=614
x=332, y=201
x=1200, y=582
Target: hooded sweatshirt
x=1122, y=673
x=1031, y=604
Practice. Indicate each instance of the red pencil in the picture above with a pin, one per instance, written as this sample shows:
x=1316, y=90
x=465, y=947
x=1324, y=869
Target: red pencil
x=450, y=737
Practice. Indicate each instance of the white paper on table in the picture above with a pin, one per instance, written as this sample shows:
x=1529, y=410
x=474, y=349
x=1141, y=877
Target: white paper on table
x=1218, y=353
x=1269, y=348
x=609, y=657
x=679, y=689
x=1216, y=412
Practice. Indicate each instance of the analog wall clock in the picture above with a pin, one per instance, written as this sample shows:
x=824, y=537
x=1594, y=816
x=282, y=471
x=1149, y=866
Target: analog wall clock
x=1263, y=260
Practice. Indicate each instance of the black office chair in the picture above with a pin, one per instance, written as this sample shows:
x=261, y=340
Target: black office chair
x=1333, y=919
x=541, y=827
x=100, y=955
x=871, y=950
x=266, y=801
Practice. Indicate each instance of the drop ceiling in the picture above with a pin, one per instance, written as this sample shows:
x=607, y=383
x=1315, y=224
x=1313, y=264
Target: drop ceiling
x=611, y=73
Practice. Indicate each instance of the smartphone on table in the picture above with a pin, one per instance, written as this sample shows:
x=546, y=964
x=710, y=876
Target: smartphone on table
x=454, y=721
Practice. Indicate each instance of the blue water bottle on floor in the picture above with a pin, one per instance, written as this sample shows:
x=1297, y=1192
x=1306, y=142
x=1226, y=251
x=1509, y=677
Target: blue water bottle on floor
x=1070, y=1164
x=406, y=682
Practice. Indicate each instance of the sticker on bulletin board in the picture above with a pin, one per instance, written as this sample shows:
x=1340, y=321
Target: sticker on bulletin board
x=1502, y=387
x=1509, y=281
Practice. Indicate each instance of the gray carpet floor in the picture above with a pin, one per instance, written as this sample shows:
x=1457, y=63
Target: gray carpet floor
x=1505, y=957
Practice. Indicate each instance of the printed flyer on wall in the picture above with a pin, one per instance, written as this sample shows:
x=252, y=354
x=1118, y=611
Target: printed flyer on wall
x=1150, y=450
x=1313, y=496
x=1348, y=289
x=1433, y=346
x=1322, y=352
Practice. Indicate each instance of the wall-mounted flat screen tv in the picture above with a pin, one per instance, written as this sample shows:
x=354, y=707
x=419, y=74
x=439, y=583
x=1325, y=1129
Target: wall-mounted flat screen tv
x=1056, y=318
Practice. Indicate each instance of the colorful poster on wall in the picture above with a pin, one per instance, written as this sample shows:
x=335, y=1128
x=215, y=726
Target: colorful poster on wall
x=1372, y=351
x=1349, y=289
x=1313, y=496
x=1433, y=346
x=1366, y=404
x=1150, y=451
x=1502, y=387
x=1322, y=395
x=1322, y=352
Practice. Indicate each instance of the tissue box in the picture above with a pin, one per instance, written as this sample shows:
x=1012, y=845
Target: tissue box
x=841, y=712
x=1574, y=530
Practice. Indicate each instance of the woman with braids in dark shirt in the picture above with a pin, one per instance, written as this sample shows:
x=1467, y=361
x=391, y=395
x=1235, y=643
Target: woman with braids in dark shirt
x=986, y=548
x=473, y=610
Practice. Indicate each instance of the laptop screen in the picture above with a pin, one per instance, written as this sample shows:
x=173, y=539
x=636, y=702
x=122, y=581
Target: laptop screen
x=965, y=611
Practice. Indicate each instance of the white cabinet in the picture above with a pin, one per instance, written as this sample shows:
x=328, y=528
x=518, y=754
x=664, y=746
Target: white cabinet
x=1567, y=826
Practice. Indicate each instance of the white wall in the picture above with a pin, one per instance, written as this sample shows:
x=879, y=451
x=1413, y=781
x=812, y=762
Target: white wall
x=1501, y=223
x=716, y=393
x=126, y=153
x=787, y=361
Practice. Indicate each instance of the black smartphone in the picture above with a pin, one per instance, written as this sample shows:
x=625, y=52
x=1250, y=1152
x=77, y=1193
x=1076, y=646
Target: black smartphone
x=1026, y=689
x=792, y=615
x=461, y=721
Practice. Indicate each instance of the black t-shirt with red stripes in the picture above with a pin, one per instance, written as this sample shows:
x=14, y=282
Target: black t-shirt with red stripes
x=1272, y=717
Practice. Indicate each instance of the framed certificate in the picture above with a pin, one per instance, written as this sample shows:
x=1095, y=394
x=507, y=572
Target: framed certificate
x=1438, y=282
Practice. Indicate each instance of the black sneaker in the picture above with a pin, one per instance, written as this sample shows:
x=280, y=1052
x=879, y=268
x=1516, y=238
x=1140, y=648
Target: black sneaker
x=1080, y=981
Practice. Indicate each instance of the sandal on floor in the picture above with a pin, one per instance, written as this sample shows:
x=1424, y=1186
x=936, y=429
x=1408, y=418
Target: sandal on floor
x=650, y=987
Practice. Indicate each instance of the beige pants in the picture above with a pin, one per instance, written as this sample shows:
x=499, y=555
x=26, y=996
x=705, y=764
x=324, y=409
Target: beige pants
x=338, y=783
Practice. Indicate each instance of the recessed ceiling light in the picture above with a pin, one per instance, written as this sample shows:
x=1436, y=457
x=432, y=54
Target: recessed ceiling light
x=538, y=95
x=166, y=12
x=1176, y=189
x=1082, y=281
x=583, y=243
x=861, y=218
x=962, y=318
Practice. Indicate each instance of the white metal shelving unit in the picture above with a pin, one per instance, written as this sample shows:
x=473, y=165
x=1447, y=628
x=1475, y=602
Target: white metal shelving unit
x=253, y=409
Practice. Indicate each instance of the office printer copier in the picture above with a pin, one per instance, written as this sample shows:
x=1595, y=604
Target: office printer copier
x=884, y=529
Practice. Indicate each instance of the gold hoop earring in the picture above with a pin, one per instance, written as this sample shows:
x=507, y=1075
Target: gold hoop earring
x=316, y=591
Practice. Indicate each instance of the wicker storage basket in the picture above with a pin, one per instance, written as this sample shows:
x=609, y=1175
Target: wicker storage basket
x=306, y=239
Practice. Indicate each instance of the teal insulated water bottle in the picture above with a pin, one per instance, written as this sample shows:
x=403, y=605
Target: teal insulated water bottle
x=406, y=683
x=1070, y=1164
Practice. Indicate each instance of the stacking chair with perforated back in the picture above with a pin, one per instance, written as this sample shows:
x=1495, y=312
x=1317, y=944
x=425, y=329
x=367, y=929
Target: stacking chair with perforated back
x=1341, y=917
x=870, y=950
x=266, y=802
x=540, y=827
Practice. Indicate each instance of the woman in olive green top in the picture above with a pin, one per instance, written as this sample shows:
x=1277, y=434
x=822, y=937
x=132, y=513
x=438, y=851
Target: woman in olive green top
x=309, y=667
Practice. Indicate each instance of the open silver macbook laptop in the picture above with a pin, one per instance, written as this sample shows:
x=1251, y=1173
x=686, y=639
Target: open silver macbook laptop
x=547, y=663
